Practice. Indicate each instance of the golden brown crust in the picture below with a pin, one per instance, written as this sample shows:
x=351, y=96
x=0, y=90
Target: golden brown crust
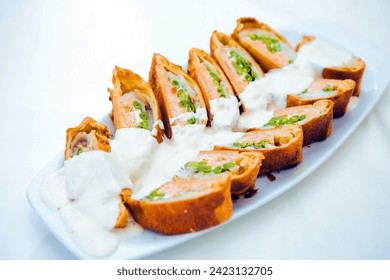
x=317, y=128
x=177, y=216
x=157, y=79
x=195, y=58
x=263, y=58
x=126, y=81
x=218, y=42
x=88, y=125
x=340, y=99
x=305, y=39
x=285, y=154
x=354, y=70
x=249, y=163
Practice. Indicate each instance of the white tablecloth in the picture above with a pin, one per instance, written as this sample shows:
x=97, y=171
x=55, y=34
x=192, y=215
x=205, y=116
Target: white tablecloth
x=56, y=61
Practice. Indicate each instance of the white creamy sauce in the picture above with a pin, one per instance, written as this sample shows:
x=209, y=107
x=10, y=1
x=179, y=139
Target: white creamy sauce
x=86, y=191
x=225, y=111
x=269, y=93
x=317, y=94
x=200, y=115
x=86, y=194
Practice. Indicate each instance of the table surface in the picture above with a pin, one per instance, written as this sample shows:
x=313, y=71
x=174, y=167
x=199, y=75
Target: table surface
x=56, y=62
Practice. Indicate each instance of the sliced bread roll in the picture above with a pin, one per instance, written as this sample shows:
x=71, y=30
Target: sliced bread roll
x=182, y=206
x=238, y=65
x=281, y=146
x=134, y=104
x=244, y=167
x=91, y=135
x=353, y=70
x=270, y=49
x=177, y=93
x=315, y=119
x=338, y=91
x=209, y=76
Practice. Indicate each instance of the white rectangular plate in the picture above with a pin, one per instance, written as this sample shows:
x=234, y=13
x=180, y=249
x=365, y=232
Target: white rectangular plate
x=374, y=83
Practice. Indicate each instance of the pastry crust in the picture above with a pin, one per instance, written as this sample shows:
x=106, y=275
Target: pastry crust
x=266, y=59
x=166, y=93
x=343, y=92
x=284, y=150
x=353, y=70
x=123, y=113
x=198, y=71
x=99, y=136
x=244, y=172
x=219, y=45
x=317, y=125
x=209, y=204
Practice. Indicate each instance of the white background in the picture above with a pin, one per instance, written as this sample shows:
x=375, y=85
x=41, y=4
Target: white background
x=56, y=59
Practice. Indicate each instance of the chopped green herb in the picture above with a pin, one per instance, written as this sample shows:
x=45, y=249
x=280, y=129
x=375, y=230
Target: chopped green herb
x=216, y=81
x=144, y=124
x=282, y=120
x=175, y=83
x=184, y=97
x=137, y=105
x=242, y=66
x=191, y=121
x=79, y=151
x=143, y=116
x=202, y=167
x=290, y=61
x=305, y=91
x=256, y=145
x=155, y=195
x=273, y=45
x=327, y=89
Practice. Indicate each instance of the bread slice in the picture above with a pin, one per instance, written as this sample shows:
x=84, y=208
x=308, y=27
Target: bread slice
x=177, y=93
x=238, y=65
x=91, y=135
x=134, y=104
x=209, y=76
x=270, y=49
x=316, y=120
x=280, y=146
x=244, y=167
x=353, y=70
x=338, y=91
x=182, y=206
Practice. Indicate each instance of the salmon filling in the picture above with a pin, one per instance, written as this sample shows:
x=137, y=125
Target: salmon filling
x=269, y=43
x=135, y=112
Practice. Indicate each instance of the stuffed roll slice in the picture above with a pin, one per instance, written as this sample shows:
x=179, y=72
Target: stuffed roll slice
x=338, y=91
x=280, y=146
x=269, y=48
x=177, y=93
x=244, y=167
x=213, y=83
x=238, y=65
x=352, y=69
x=316, y=120
x=134, y=104
x=183, y=206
